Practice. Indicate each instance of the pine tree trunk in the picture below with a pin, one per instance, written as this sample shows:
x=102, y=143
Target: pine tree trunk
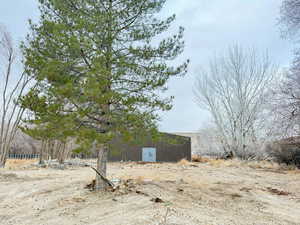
x=101, y=185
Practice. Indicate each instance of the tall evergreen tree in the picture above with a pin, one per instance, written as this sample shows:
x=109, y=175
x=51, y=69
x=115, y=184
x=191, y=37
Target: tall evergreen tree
x=99, y=70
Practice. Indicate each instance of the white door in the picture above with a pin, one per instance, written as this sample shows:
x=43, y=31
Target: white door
x=149, y=155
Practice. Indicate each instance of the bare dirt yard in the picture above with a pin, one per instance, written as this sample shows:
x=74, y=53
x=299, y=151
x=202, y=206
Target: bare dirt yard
x=215, y=192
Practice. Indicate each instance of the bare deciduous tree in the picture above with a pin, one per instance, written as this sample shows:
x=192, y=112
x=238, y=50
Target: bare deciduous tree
x=233, y=91
x=290, y=17
x=285, y=105
x=286, y=97
x=12, y=86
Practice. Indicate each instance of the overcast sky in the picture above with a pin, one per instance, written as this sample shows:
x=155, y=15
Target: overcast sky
x=211, y=26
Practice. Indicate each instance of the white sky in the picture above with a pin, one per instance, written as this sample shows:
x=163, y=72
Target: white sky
x=211, y=26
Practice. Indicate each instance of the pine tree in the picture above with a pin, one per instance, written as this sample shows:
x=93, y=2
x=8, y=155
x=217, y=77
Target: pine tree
x=99, y=71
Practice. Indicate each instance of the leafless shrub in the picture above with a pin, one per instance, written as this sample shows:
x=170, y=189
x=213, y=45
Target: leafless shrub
x=285, y=151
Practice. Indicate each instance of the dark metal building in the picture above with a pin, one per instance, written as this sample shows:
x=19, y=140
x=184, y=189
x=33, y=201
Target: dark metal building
x=171, y=148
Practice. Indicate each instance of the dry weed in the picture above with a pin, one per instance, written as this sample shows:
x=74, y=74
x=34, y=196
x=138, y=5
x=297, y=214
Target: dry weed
x=140, y=180
x=184, y=162
x=217, y=162
x=252, y=164
x=262, y=165
x=200, y=159
x=296, y=171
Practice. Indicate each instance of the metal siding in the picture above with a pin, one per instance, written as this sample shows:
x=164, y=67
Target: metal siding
x=165, y=152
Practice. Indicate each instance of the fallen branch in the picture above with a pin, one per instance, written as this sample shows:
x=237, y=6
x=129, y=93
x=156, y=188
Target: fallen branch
x=104, y=178
x=277, y=192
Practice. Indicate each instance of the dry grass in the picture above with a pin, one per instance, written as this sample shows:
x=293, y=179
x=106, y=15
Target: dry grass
x=140, y=179
x=294, y=171
x=263, y=164
x=184, y=162
x=268, y=165
x=219, y=162
x=251, y=164
x=12, y=164
x=200, y=159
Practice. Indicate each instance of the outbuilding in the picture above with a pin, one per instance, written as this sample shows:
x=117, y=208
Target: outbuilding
x=170, y=148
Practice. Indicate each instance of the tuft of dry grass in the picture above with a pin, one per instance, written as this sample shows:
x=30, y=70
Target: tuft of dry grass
x=263, y=164
x=295, y=171
x=140, y=180
x=200, y=159
x=184, y=162
x=19, y=163
x=219, y=162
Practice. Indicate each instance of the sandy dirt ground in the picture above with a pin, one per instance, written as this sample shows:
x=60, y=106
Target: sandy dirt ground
x=190, y=193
